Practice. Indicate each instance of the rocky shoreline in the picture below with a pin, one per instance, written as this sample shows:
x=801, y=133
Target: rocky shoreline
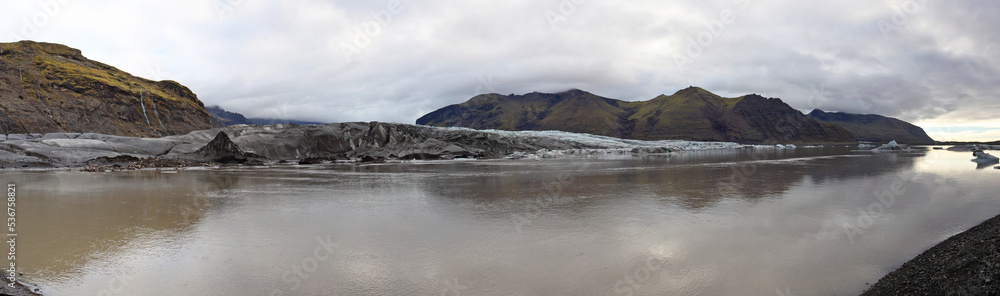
x=967, y=263
x=18, y=289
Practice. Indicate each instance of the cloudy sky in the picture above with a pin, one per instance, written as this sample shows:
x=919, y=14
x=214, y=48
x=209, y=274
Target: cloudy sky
x=934, y=63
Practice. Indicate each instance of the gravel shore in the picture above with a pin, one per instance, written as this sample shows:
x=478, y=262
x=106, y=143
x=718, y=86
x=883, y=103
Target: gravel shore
x=17, y=290
x=965, y=264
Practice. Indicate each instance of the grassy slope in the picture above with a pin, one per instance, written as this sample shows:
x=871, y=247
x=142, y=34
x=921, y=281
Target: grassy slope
x=681, y=115
x=692, y=113
x=65, y=66
x=54, y=88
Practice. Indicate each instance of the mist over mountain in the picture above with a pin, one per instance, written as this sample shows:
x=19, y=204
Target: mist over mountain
x=221, y=117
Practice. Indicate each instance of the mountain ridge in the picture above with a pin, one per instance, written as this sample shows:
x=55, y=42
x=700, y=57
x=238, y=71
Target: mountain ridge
x=50, y=88
x=689, y=114
x=874, y=127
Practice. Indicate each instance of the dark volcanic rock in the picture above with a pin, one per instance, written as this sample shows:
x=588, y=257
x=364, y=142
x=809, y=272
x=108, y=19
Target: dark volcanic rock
x=369, y=159
x=222, y=150
x=965, y=264
x=19, y=289
x=354, y=140
x=120, y=160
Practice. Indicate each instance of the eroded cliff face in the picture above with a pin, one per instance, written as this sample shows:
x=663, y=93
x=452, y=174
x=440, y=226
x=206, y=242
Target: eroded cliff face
x=51, y=88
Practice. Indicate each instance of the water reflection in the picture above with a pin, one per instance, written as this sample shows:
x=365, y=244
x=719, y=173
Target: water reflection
x=692, y=180
x=68, y=219
x=714, y=223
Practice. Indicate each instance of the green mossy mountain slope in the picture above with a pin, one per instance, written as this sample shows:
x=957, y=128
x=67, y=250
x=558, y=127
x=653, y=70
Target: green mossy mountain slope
x=689, y=114
x=46, y=87
x=875, y=128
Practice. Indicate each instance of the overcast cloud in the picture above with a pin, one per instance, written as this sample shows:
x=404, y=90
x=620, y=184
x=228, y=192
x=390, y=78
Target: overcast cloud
x=930, y=62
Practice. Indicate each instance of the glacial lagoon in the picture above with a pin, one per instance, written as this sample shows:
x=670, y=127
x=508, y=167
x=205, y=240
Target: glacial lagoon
x=823, y=221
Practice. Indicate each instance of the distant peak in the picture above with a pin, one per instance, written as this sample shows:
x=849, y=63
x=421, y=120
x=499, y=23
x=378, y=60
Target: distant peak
x=691, y=90
x=573, y=91
x=817, y=112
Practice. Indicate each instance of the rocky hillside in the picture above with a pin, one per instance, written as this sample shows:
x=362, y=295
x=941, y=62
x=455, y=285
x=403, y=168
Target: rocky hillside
x=875, y=128
x=221, y=117
x=690, y=114
x=47, y=88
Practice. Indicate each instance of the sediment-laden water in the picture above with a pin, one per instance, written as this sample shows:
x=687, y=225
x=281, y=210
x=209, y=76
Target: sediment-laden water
x=736, y=222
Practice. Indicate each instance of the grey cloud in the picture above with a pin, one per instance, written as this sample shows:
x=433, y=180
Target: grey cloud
x=273, y=58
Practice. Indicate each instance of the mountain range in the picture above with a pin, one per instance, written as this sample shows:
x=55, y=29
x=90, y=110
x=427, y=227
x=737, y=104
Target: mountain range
x=689, y=114
x=875, y=128
x=49, y=88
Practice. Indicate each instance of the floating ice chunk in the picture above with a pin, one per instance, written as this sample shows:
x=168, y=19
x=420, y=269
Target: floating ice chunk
x=983, y=157
x=892, y=146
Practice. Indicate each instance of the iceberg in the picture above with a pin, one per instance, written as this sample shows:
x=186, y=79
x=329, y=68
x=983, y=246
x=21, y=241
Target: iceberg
x=984, y=158
x=892, y=146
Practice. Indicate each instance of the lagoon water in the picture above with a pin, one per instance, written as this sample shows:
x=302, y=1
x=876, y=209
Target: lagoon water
x=788, y=222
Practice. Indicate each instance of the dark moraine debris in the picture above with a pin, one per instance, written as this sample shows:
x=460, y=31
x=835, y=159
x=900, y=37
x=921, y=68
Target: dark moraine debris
x=965, y=264
x=121, y=160
x=371, y=159
x=319, y=160
x=223, y=150
x=18, y=289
